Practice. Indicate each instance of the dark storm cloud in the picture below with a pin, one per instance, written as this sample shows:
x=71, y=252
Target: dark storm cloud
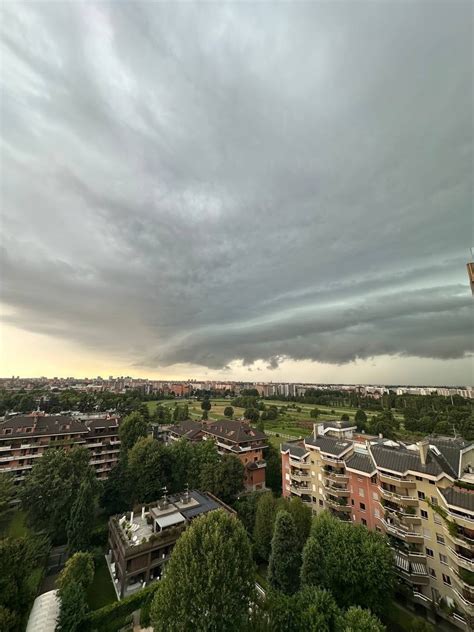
x=200, y=184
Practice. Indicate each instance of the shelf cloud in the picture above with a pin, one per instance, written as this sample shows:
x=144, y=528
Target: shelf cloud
x=203, y=184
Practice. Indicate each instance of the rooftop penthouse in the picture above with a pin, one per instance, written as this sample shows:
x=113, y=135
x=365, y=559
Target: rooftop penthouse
x=141, y=541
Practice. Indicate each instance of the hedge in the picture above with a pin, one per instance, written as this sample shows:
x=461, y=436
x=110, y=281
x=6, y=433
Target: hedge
x=120, y=610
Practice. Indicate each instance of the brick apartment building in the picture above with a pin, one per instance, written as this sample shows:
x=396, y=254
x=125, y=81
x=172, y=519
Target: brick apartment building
x=419, y=495
x=24, y=438
x=231, y=437
x=141, y=541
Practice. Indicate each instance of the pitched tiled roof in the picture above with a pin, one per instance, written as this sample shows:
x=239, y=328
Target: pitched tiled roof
x=450, y=448
x=295, y=449
x=187, y=429
x=398, y=458
x=235, y=431
x=329, y=445
x=361, y=462
x=41, y=425
x=339, y=424
x=459, y=498
x=102, y=422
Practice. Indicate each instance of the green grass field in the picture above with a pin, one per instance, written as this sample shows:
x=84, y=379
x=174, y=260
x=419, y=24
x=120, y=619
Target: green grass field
x=101, y=592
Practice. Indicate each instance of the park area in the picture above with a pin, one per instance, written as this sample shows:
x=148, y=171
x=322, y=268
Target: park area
x=294, y=419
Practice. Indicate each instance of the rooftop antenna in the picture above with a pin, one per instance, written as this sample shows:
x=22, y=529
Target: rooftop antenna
x=164, y=500
x=186, y=493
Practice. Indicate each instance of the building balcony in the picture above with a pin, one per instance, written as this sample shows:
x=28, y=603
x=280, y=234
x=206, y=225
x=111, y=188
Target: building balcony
x=341, y=492
x=460, y=538
x=301, y=464
x=334, y=475
x=5, y=448
x=332, y=460
x=407, y=515
x=414, y=572
x=6, y=459
x=300, y=476
x=411, y=537
x=465, y=601
x=395, y=480
x=300, y=489
x=462, y=520
x=422, y=599
x=462, y=579
x=461, y=559
x=336, y=504
x=406, y=501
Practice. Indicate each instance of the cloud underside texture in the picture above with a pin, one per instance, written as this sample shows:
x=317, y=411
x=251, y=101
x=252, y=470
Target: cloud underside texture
x=200, y=184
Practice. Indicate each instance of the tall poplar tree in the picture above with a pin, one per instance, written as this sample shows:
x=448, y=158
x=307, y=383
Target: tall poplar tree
x=285, y=557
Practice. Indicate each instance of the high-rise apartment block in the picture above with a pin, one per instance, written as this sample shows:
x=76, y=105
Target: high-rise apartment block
x=420, y=495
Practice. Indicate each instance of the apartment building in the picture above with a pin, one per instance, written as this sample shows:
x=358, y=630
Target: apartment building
x=420, y=495
x=238, y=438
x=24, y=438
x=141, y=541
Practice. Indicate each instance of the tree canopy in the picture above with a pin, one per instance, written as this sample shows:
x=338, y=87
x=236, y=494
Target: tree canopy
x=355, y=564
x=132, y=428
x=285, y=557
x=209, y=583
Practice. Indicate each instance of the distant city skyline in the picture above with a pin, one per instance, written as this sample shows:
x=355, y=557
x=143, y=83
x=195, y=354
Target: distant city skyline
x=241, y=191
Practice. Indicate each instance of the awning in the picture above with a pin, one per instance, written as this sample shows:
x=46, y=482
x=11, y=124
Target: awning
x=170, y=520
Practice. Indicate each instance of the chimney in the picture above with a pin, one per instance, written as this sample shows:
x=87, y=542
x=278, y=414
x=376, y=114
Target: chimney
x=317, y=430
x=131, y=518
x=423, y=447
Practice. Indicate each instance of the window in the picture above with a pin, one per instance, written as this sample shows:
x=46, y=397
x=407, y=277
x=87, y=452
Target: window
x=439, y=538
x=364, y=522
x=434, y=501
x=437, y=518
x=443, y=559
x=429, y=552
x=424, y=514
x=320, y=502
x=8, y=430
x=421, y=495
x=320, y=491
x=432, y=572
x=447, y=579
x=375, y=496
x=431, y=482
x=418, y=478
x=361, y=492
x=352, y=501
x=362, y=506
x=376, y=513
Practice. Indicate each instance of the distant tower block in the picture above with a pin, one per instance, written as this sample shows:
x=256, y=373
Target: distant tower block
x=470, y=271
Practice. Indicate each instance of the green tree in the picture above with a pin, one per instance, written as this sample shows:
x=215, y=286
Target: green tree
x=246, y=508
x=417, y=624
x=206, y=405
x=6, y=491
x=315, y=413
x=209, y=583
x=302, y=518
x=228, y=412
x=205, y=415
x=345, y=417
x=9, y=621
x=79, y=570
x=50, y=489
x=116, y=491
x=252, y=415
x=132, y=428
x=273, y=470
x=80, y=521
x=358, y=620
x=355, y=564
x=264, y=521
x=224, y=478
x=285, y=558
x=17, y=559
x=73, y=609
x=360, y=417
x=149, y=469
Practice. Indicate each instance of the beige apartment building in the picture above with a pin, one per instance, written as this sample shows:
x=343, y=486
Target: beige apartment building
x=421, y=496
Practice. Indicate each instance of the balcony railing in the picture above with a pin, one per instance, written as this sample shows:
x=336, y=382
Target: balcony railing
x=336, y=490
x=460, y=559
x=337, y=476
x=395, y=480
x=298, y=490
x=332, y=502
x=409, y=501
x=404, y=534
x=299, y=476
x=300, y=464
x=459, y=538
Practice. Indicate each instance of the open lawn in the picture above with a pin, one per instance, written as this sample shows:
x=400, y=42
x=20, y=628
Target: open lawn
x=13, y=524
x=101, y=592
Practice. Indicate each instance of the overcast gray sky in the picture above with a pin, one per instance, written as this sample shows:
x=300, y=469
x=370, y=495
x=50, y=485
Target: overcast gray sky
x=258, y=190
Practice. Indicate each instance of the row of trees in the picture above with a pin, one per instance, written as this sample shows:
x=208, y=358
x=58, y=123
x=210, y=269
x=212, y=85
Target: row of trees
x=220, y=594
